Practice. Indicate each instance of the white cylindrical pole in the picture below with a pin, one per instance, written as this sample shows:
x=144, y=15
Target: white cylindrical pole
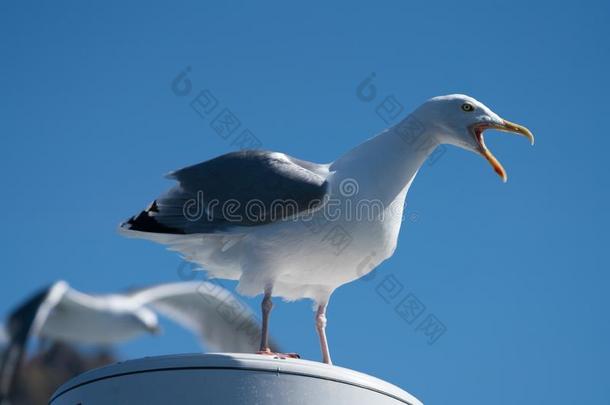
x=229, y=379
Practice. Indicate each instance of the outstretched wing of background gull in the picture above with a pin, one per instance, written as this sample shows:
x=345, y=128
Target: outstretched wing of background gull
x=221, y=321
x=60, y=312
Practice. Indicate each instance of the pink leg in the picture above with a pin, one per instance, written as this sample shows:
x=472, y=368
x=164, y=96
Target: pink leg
x=266, y=307
x=321, y=328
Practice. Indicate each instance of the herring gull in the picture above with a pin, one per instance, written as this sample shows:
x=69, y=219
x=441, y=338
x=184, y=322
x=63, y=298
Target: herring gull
x=295, y=229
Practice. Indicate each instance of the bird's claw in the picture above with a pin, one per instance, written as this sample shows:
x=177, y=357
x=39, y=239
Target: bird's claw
x=268, y=352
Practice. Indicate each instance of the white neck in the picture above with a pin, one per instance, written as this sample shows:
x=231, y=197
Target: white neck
x=386, y=164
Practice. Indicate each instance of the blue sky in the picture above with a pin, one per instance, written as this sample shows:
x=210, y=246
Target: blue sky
x=517, y=272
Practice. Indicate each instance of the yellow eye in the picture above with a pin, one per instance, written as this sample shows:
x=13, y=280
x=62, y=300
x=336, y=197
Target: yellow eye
x=467, y=107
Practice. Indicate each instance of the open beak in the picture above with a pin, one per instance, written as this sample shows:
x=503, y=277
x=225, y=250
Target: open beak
x=505, y=126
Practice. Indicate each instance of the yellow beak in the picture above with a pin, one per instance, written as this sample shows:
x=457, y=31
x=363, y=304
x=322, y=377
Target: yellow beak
x=506, y=126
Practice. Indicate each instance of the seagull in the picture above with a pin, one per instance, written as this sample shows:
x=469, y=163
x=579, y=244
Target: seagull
x=62, y=313
x=290, y=228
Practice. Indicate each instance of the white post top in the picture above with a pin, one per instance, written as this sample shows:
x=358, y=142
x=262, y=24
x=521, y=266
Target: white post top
x=227, y=378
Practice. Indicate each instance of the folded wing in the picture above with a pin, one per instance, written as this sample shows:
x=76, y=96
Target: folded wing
x=245, y=188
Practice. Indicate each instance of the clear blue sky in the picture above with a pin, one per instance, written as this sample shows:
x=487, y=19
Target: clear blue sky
x=517, y=272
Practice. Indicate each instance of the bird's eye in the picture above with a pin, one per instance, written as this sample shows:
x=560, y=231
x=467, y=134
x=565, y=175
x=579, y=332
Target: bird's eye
x=467, y=107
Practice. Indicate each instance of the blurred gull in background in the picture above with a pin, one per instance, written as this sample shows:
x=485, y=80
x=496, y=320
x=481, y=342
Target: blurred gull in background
x=61, y=313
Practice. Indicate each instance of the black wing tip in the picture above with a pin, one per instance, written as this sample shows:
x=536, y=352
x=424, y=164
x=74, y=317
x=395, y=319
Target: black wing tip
x=21, y=318
x=146, y=222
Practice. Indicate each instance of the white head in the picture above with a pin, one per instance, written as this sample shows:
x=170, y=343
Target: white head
x=460, y=120
x=148, y=320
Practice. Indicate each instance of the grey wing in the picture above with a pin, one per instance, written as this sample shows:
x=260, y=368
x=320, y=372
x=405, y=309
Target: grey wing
x=222, y=322
x=245, y=188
